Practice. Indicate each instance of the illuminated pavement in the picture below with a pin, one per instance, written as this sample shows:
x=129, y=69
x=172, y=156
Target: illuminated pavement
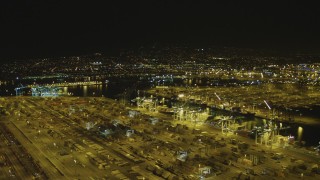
x=49, y=127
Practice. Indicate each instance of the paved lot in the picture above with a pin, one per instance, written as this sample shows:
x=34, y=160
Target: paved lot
x=88, y=137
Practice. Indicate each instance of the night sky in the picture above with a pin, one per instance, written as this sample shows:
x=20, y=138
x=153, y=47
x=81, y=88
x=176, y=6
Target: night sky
x=32, y=28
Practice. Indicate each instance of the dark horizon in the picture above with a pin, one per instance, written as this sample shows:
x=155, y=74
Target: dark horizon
x=58, y=28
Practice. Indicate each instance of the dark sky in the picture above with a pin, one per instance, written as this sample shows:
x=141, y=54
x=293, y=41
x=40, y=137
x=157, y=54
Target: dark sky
x=61, y=27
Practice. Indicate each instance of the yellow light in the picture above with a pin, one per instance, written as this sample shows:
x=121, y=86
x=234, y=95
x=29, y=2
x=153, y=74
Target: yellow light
x=300, y=132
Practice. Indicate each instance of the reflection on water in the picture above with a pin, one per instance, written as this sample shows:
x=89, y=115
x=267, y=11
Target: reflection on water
x=85, y=91
x=300, y=132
